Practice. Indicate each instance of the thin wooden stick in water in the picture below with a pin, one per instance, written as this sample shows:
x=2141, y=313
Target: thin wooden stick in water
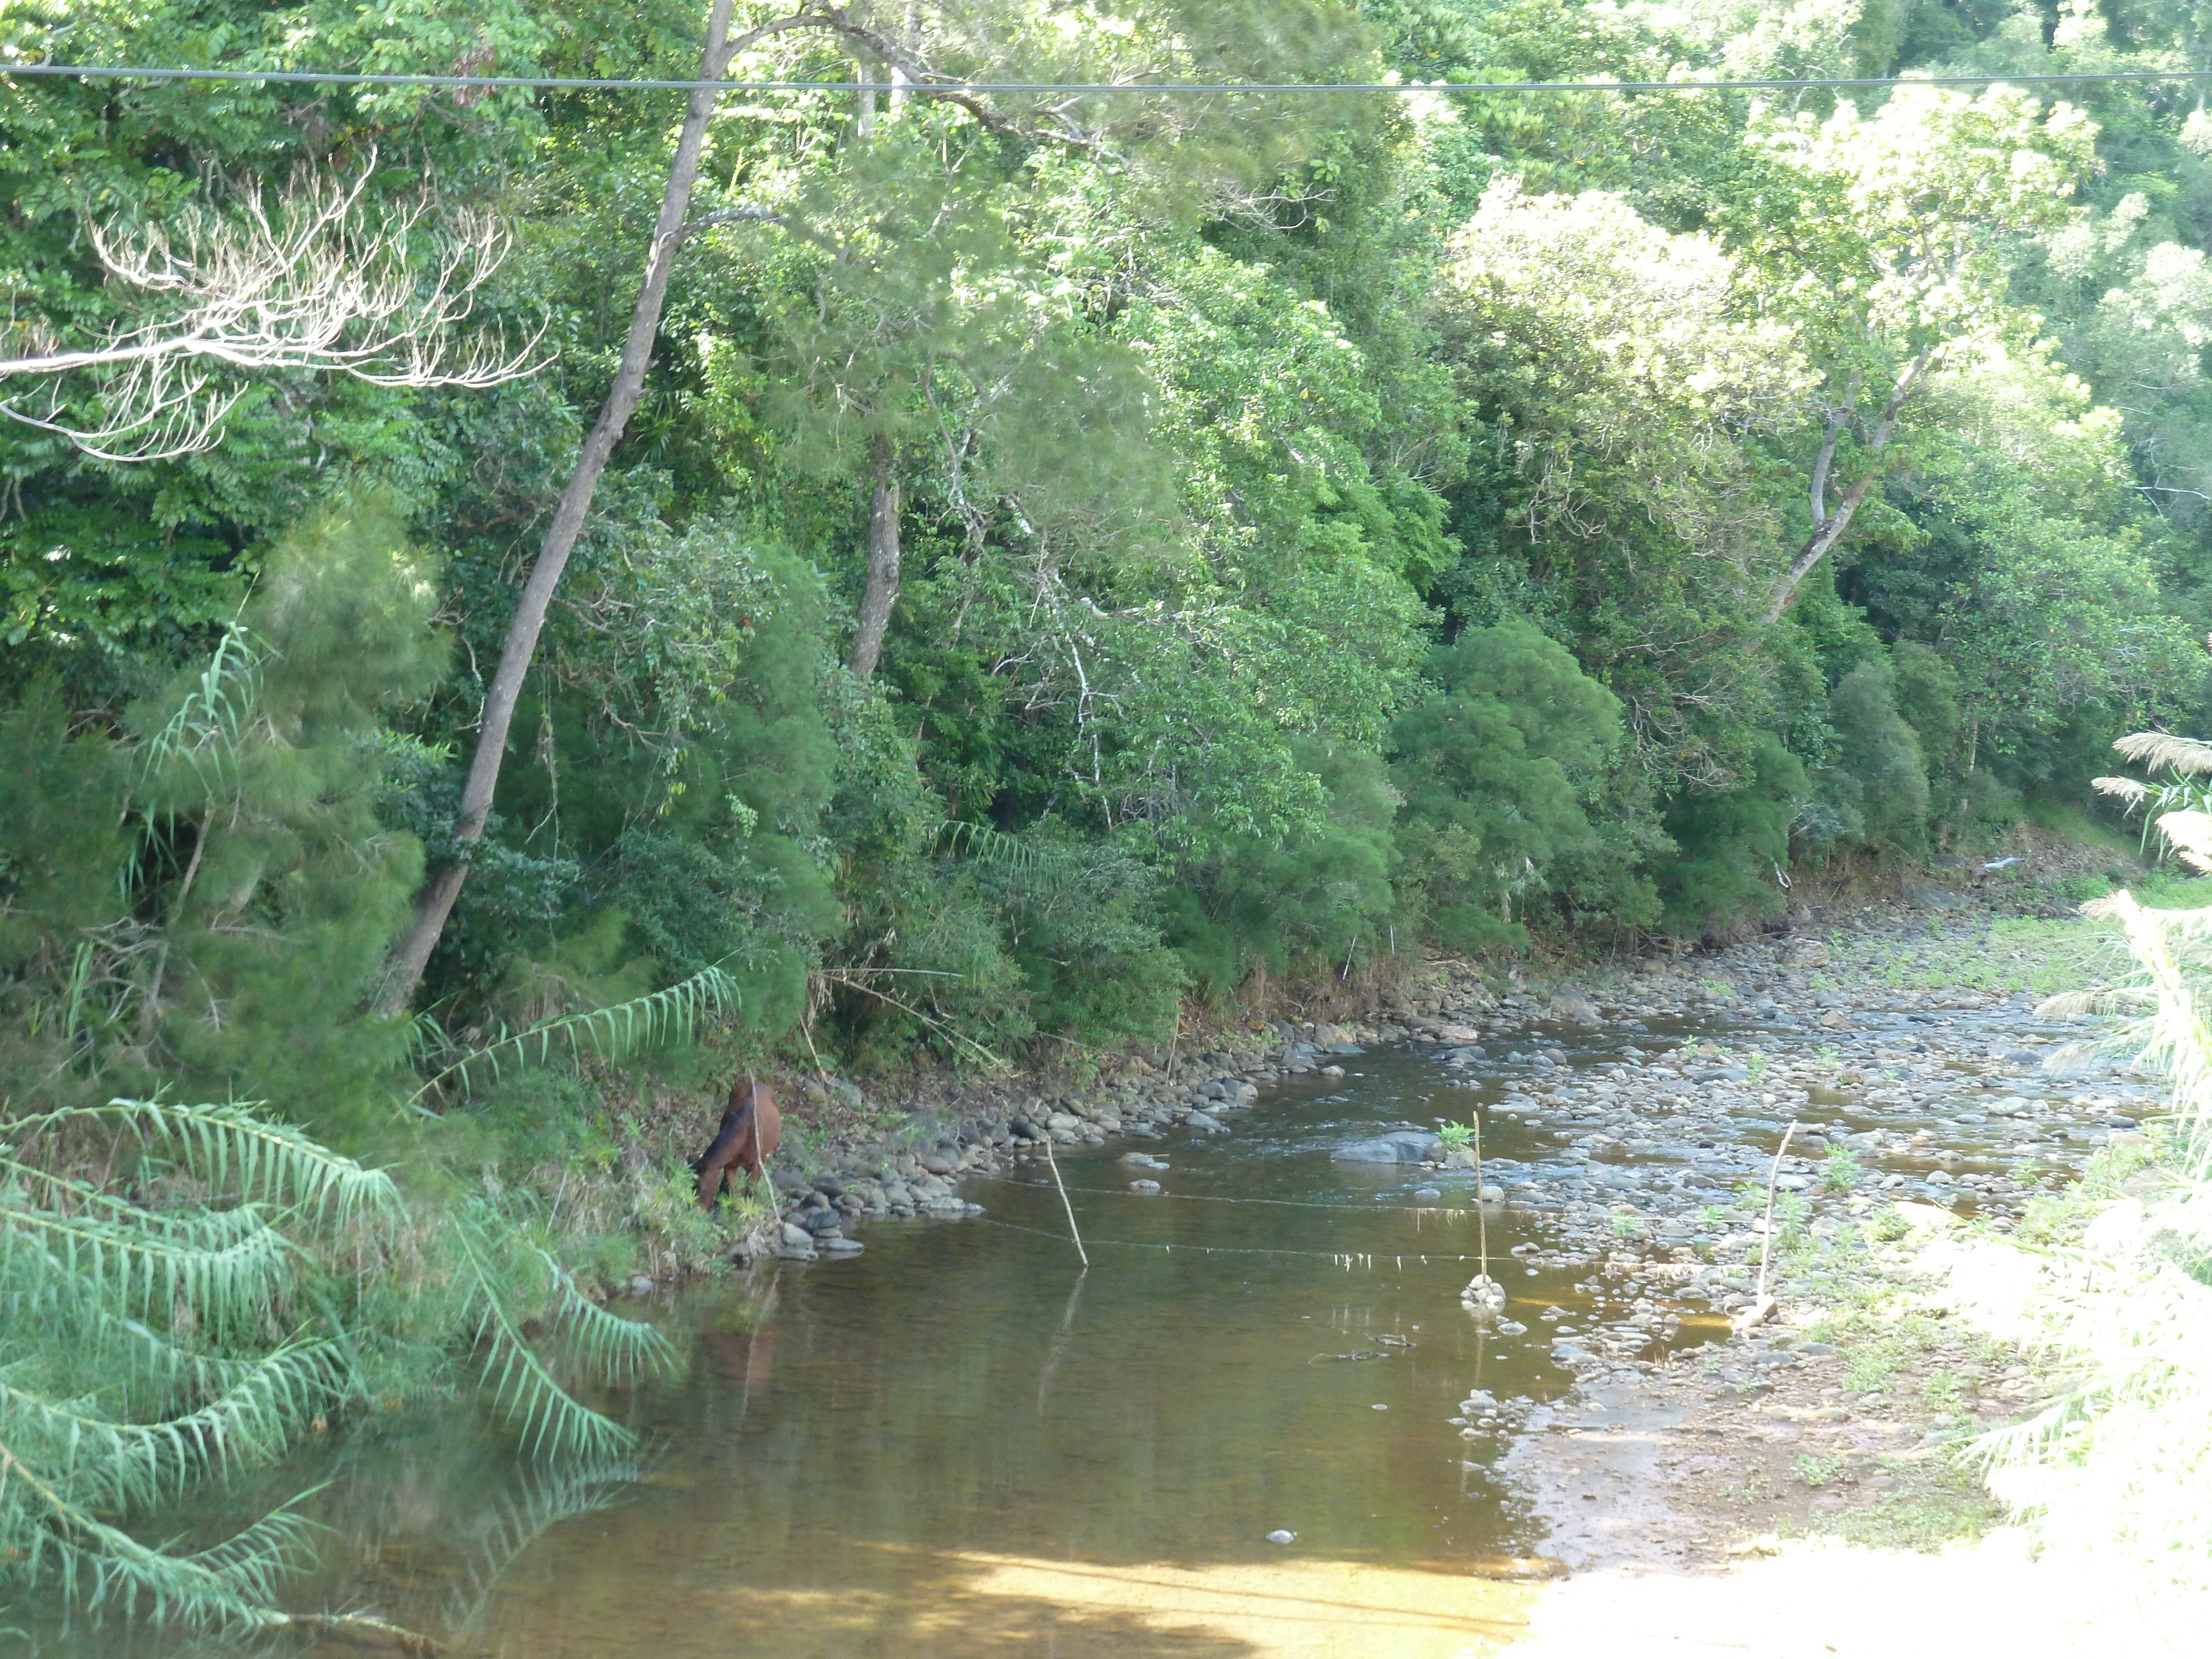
x=1073, y=1231
x=1762, y=1304
x=1481, y=1207
x=1766, y=1248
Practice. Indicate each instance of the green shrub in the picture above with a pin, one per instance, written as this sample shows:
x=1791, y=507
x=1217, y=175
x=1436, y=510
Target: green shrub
x=1495, y=764
x=1877, y=783
x=1732, y=844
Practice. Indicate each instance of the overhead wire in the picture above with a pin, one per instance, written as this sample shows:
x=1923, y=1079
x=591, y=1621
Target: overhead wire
x=1103, y=88
x=1346, y=1259
x=1453, y=1211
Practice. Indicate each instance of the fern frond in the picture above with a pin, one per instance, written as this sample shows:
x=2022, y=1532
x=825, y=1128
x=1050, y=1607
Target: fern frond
x=613, y=1033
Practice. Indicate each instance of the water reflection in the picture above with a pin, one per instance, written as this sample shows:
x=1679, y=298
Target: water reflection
x=962, y=1443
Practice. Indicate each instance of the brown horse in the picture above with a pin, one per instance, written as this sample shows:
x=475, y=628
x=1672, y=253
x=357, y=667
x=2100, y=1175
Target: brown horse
x=752, y=1127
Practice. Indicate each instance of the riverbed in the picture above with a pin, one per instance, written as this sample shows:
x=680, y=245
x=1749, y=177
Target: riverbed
x=1260, y=1420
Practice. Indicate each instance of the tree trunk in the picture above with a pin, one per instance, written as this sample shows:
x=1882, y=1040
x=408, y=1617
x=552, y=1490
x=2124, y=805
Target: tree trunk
x=1824, y=536
x=436, y=902
x=1828, y=528
x=882, y=591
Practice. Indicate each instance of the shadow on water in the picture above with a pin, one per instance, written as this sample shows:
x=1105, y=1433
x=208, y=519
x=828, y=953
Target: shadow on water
x=961, y=1443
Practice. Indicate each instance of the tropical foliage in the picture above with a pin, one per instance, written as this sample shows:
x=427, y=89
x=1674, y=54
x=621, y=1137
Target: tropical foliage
x=1068, y=556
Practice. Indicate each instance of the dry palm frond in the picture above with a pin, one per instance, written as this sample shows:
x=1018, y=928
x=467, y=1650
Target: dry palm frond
x=2161, y=750
x=2189, y=833
x=2113, y=999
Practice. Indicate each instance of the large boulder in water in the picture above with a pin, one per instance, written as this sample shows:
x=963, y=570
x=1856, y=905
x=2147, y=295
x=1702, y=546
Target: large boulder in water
x=1400, y=1146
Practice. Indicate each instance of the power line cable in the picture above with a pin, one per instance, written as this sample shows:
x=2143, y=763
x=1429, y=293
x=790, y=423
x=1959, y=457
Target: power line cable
x=923, y=88
x=1454, y=1212
x=1347, y=1259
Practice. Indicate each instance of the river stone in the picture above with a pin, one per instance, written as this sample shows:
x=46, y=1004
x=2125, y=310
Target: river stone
x=1207, y=1123
x=1924, y=895
x=1279, y=1536
x=1571, y=1004
x=641, y=1285
x=1144, y=1186
x=1404, y=1146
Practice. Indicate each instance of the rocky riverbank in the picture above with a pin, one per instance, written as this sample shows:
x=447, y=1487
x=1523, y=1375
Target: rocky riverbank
x=1631, y=1119
x=1142, y=1096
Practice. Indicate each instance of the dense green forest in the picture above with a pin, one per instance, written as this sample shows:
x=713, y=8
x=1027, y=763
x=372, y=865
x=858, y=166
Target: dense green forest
x=1032, y=562
x=1067, y=553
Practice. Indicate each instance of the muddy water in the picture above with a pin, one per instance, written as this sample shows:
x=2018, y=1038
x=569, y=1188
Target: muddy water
x=962, y=1442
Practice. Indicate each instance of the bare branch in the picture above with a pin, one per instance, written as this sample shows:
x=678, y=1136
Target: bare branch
x=323, y=283
x=1828, y=530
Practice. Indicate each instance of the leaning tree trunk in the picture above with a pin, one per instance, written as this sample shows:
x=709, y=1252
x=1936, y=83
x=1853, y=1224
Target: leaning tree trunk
x=436, y=902
x=882, y=591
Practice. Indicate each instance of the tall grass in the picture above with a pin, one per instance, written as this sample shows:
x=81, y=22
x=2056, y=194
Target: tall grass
x=2119, y=1467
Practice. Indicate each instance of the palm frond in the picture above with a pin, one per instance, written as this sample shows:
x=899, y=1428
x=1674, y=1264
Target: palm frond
x=619, y=1348
x=615, y=1033
x=110, y=1464
x=550, y=1421
x=206, y=730
x=997, y=849
x=225, y=1264
x=548, y=1497
x=240, y=1152
x=94, y=1563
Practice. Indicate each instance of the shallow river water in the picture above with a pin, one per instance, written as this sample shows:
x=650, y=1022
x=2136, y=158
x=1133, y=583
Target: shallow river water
x=962, y=1442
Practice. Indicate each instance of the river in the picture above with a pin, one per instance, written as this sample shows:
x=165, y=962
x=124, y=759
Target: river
x=964, y=1442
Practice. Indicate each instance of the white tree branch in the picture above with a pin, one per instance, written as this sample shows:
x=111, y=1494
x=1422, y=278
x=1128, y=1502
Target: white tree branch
x=323, y=283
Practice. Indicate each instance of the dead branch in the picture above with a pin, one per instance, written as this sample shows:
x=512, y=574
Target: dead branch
x=324, y=282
